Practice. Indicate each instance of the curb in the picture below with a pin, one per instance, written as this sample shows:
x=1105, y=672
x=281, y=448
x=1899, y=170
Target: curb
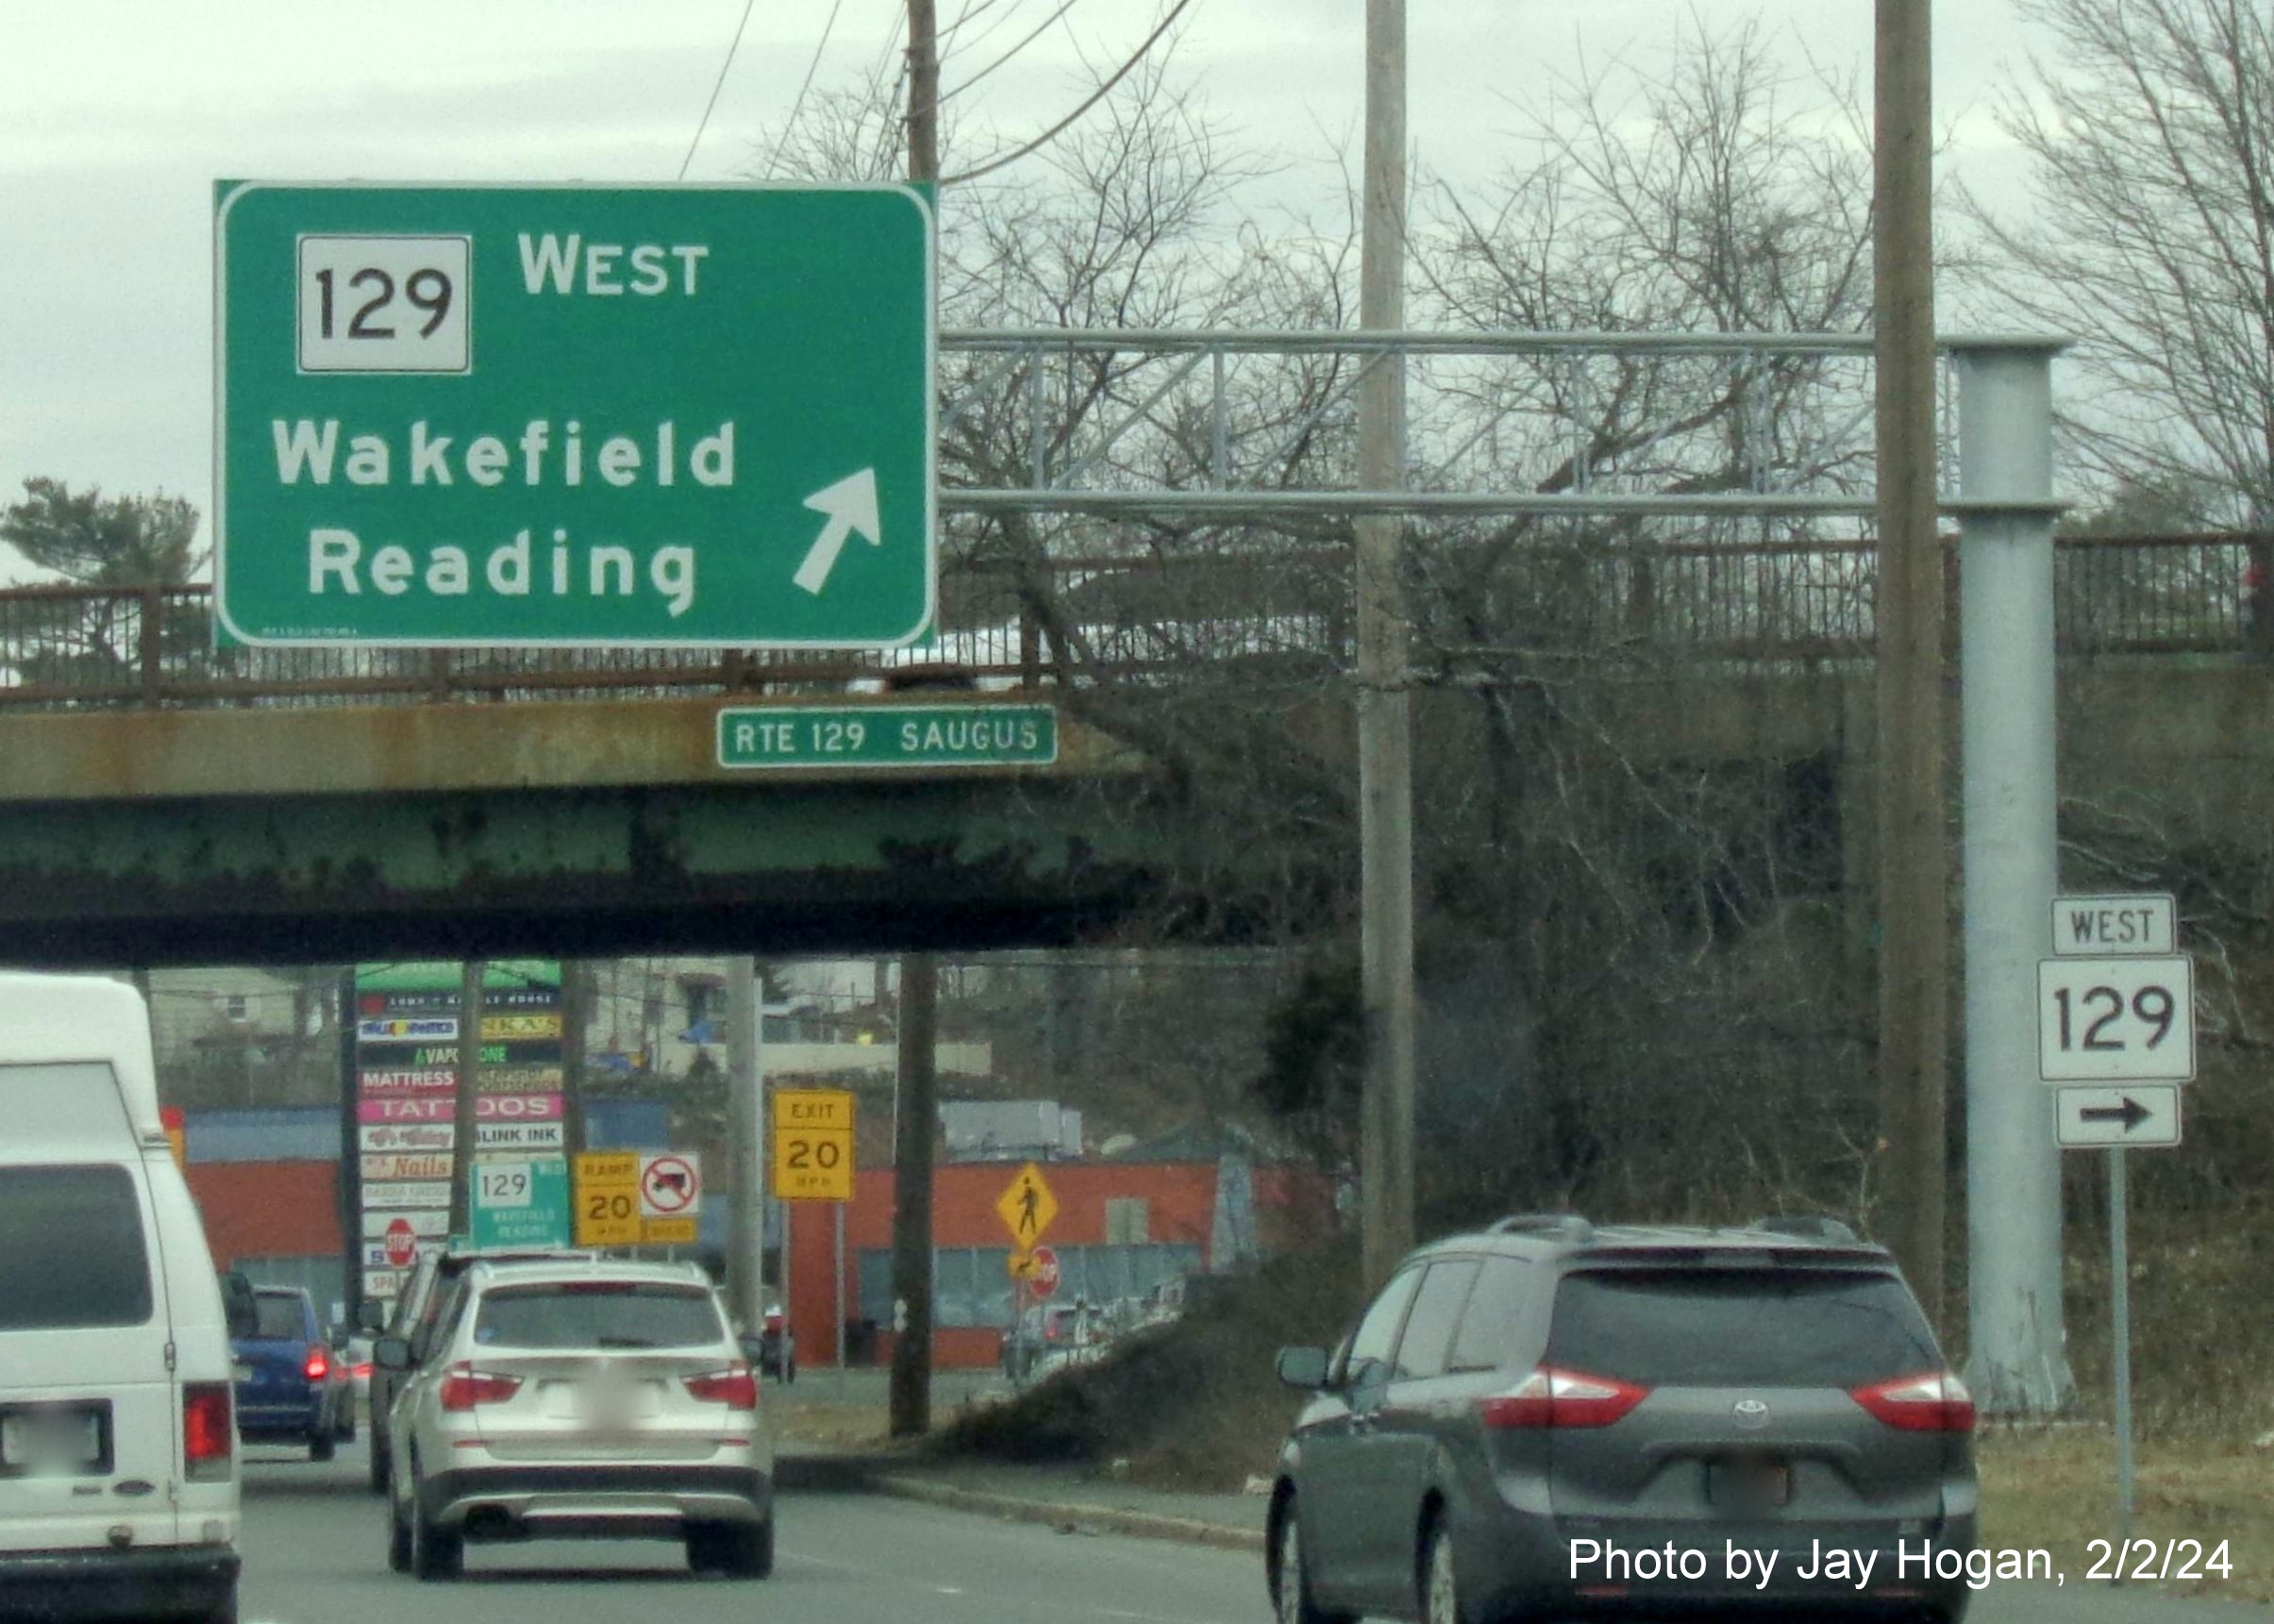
x=1106, y=1519
x=823, y=1474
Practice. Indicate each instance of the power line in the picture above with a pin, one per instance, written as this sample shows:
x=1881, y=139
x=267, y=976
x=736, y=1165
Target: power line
x=951, y=42
x=1064, y=6
x=798, y=106
x=733, y=46
x=1092, y=100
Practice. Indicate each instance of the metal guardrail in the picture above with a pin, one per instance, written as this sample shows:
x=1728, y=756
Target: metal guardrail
x=1157, y=618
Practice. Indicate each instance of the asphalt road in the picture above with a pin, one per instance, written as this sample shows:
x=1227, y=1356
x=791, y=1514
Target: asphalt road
x=315, y=1553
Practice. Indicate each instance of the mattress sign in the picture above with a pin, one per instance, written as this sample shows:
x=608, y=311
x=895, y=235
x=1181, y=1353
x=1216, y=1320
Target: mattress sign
x=401, y=1080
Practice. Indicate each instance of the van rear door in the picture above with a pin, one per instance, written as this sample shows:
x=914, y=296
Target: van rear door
x=88, y=1421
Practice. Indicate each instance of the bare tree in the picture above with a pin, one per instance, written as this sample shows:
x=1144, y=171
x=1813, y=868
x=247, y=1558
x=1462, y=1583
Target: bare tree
x=1597, y=909
x=2150, y=134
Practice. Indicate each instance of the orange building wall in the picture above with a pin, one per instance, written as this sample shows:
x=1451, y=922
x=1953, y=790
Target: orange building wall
x=1182, y=1197
x=267, y=1209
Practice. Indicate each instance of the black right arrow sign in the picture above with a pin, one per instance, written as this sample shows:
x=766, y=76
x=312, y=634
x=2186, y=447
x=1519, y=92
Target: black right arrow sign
x=2130, y=1113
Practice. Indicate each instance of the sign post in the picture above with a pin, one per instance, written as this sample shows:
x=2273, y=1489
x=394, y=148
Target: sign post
x=1028, y=1207
x=2115, y=1008
x=812, y=1140
x=572, y=415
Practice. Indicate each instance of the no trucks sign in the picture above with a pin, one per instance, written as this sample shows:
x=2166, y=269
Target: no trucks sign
x=572, y=415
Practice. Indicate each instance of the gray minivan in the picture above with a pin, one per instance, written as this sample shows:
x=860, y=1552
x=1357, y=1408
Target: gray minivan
x=1551, y=1419
x=118, y=1448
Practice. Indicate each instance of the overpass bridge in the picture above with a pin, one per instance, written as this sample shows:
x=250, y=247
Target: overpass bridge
x=162, y=800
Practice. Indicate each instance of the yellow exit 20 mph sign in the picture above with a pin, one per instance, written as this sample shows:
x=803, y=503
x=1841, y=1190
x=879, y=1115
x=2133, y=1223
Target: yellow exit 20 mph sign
x=812, y=1129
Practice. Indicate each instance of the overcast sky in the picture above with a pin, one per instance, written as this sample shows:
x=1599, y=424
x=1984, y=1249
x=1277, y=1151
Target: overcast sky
x=119, y=114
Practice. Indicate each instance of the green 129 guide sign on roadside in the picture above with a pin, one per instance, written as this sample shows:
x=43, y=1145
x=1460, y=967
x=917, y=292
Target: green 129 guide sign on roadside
x=572, y=415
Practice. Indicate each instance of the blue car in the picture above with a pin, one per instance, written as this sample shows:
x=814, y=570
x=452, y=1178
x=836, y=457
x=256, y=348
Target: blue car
x=291, y=1388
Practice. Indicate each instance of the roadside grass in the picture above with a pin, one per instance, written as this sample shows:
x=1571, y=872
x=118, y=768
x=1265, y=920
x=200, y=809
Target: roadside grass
x=1192, y=1405
x=825, y=1426
x=2052, y=1488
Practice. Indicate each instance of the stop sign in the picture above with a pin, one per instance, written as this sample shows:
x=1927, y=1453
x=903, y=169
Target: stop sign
x=402, y=1245
x=1043, y=1281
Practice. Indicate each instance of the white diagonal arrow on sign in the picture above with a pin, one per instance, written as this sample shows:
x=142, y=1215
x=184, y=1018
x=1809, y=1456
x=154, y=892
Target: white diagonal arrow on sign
x=851, y=505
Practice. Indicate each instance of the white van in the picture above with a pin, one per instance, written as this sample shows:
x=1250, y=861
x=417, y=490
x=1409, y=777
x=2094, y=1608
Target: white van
x=118, y=1444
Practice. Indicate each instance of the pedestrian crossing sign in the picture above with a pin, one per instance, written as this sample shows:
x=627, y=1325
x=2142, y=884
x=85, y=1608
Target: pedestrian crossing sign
x=1028, y=1207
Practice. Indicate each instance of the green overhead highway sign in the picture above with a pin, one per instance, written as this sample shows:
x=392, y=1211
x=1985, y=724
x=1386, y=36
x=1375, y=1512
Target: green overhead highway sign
x=887, y=736
x=572, y=415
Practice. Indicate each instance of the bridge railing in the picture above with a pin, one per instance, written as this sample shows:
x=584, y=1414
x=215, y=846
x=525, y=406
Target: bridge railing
x=1152, y=616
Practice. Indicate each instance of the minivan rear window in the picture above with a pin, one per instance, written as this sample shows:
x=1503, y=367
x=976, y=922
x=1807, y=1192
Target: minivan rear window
x=280, y=1318
x=72, y=1255
x=597, y=1313
x=1740, y=1328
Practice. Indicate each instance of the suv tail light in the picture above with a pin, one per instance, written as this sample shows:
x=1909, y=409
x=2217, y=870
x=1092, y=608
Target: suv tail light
x=1552, y=1397
x=208, y=1430
x=463, y=1387
x=319, y=1363
x=1936, y=1402
x=734, y=1387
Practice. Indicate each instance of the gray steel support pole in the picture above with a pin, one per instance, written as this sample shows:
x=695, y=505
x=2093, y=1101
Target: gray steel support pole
x=1385, y=720
x=2019, y=1362
x=2119, y=1309
x=746, y=1130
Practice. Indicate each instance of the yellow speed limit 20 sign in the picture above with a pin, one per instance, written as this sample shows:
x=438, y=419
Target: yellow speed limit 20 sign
x=813, y=1132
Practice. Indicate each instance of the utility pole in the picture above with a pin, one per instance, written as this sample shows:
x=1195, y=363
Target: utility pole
x=912, y=1196
x=746, y=1127
x=351, y=1145
x=1914, y=969
x=576, y=1024
x=914, y=1111
x=1385, y=720
x=462, y=1116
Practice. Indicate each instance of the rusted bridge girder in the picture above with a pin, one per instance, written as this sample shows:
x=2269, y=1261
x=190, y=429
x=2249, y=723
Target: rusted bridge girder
x=132, y=838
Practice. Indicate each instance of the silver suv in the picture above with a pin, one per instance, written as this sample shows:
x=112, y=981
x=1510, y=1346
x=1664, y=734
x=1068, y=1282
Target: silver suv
x=1551, y=1419
x=568, y=1399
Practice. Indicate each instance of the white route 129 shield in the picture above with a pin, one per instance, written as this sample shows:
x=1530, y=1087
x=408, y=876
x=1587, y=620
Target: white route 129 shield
x=2116, y=1020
